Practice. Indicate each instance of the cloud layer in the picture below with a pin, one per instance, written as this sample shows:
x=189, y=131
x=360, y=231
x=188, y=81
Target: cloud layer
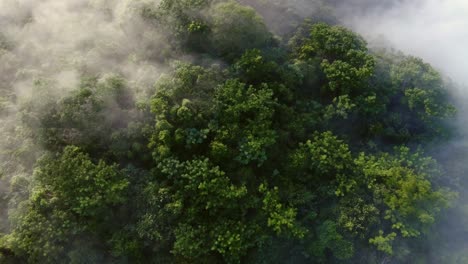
x=436, y=30
x=58, y=40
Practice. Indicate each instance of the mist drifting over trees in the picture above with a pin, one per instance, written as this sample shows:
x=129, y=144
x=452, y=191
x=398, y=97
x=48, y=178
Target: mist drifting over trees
x=221, y=131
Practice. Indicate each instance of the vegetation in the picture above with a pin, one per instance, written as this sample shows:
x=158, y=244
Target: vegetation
x=304, y=148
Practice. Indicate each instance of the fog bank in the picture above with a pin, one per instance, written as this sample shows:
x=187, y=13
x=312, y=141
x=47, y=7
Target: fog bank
x=434, y=30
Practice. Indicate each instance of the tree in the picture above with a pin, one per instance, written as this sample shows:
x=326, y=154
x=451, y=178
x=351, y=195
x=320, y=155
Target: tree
x=237, y=28
x=306, y=149
x=343, y=58
x=72, y=199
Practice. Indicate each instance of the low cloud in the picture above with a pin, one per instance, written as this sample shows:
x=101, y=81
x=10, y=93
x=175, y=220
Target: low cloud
x=434, y=30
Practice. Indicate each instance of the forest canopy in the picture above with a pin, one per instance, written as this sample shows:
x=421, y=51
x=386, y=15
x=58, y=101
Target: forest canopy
x=261, y=143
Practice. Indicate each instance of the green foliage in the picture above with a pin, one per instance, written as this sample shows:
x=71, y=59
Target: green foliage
x=280, y=218
x=182, y=107
x=72, y=196
x=424, y=92
x=383, y=243
x=402, y=184
x=84, y=118
x=307, y=149
x=329, y=238
x=325, y=156
x=209, y=192
x=237, y=28
x=182, y=22
x=222, y=28
x=417, y=100
x=254, y=68
x=344, y=58
x=245, y=120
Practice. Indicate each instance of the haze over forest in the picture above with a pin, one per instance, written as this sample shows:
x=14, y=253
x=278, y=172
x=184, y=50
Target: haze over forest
x=222, y=131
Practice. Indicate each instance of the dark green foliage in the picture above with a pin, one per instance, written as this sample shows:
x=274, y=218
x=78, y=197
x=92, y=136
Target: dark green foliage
x=224, y=29
x=309, y=149
x=72, y=198
x=236, y=28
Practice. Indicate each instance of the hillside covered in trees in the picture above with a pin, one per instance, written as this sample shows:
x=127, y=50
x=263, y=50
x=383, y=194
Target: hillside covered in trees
x=272, y=134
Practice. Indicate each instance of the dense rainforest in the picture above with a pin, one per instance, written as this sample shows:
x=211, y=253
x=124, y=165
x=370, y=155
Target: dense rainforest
x=270, y=138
